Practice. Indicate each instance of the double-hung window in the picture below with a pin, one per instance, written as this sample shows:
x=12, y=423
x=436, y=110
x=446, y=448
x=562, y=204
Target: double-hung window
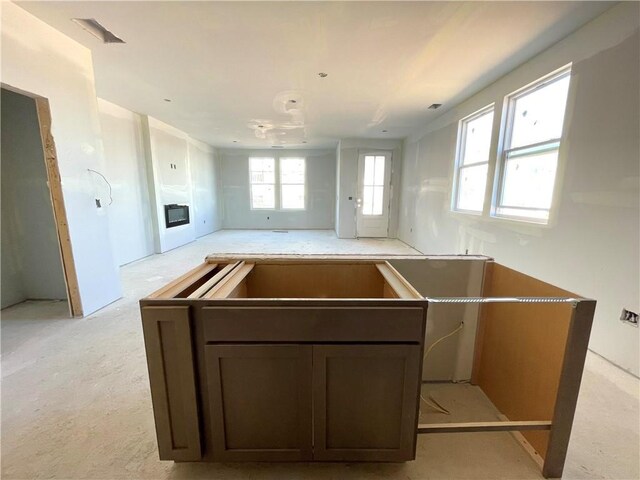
x=472, y=162
x=279, y=184
x=262, y=175
x=529, y=160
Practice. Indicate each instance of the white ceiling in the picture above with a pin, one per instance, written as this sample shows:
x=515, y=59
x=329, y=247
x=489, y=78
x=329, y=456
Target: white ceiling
x=231, y=66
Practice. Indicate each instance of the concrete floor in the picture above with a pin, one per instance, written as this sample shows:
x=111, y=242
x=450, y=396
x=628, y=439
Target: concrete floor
x=76, y=403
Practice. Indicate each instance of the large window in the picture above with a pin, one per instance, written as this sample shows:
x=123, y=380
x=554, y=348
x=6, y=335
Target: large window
x=292, y=183
x=529, y=160
x=472, y=162
x=262, y=175
x=288, y=176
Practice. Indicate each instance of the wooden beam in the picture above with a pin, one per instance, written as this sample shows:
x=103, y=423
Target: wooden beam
x=59, y=211
x=230, y=282
x=182, y=282
x=483, y=426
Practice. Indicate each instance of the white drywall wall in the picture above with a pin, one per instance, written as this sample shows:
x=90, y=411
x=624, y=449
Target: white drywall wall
x=592, y=247
x=169, y=180
x=31, y=264
x=236, y=204
x=40, y=60
x=203, y=164
x=349, y=150
x=130, y=210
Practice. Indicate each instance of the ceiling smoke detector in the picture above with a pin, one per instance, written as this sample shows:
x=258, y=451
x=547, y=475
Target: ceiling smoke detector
x=435, y=106
x=92, y=26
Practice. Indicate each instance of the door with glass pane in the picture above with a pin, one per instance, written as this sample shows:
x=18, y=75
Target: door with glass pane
x=374, y=171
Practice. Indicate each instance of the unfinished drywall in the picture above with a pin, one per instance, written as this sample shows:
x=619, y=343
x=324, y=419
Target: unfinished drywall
x=31, y=263
x=203, y=165
x=592, y=247
x=169, y=180
x=128, y=209
x=452, y=358
x=40, y=60
x=349, y=150
x=236, y=204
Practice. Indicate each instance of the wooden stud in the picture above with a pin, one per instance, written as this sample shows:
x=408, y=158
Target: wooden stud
x=59, y=211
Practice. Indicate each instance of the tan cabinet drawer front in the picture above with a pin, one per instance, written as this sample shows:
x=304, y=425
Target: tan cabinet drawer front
x=312, y=324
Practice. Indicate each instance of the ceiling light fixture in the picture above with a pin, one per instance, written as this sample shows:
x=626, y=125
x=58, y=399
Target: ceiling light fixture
x=435, y=106
x=92, y=26
x=323, y=75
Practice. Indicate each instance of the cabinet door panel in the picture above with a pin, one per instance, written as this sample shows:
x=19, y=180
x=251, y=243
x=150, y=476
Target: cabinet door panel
x=365, y=402
x=260, y=400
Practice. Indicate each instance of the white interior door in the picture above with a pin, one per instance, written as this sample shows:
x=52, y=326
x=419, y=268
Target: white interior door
x=374, y=173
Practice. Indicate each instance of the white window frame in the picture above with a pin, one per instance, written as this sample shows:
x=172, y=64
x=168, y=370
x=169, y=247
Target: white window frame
x=539, y=147
x=275, y=180
x=281, y=183
x=458, y=166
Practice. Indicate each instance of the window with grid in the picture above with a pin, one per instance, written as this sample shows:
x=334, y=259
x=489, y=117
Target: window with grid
x=472, y=162
x=292, y=183
x=262, y=176
x=529, y=160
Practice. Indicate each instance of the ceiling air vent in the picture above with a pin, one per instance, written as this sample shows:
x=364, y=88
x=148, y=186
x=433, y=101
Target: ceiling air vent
x=92, y=26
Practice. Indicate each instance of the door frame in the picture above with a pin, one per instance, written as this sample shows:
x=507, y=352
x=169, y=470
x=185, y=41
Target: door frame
x=54, y=181
x=388, y=186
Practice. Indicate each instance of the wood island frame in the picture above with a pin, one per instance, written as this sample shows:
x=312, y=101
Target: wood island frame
x=320, y=358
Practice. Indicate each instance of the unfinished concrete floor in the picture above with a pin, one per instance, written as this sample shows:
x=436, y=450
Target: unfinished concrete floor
x=76, y=402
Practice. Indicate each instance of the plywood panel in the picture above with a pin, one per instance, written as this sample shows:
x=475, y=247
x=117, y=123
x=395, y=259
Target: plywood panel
x=315, y=281
x=522, y=347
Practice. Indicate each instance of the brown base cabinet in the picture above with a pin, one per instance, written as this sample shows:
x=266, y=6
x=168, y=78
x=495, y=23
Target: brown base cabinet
x=321, y=358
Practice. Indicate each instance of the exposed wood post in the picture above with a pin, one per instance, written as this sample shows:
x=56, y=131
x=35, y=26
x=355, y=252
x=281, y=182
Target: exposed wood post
x=57, y=200
x=569, y=387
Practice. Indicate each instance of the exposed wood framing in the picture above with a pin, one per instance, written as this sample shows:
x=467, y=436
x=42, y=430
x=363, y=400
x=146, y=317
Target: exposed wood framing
x=59, y=211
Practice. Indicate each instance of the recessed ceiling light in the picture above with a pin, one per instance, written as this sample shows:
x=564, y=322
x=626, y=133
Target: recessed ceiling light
x=323, y=75
x=435, y=106
x=92, y=26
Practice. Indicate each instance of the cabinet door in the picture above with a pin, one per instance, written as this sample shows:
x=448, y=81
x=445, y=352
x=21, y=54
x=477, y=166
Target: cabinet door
x=365, y=402
x=260, y=401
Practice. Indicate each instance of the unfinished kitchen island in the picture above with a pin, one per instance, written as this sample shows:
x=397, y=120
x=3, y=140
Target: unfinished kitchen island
x=320, y=358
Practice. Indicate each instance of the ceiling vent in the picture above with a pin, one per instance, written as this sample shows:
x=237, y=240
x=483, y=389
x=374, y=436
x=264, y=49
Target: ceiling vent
x=92, y=26
x=435, y=106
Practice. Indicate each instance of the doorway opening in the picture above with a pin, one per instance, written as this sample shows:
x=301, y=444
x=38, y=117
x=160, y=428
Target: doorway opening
x=37, y=261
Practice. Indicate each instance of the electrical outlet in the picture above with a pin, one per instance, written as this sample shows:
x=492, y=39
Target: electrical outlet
x=629, y=317
x=98, y=203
